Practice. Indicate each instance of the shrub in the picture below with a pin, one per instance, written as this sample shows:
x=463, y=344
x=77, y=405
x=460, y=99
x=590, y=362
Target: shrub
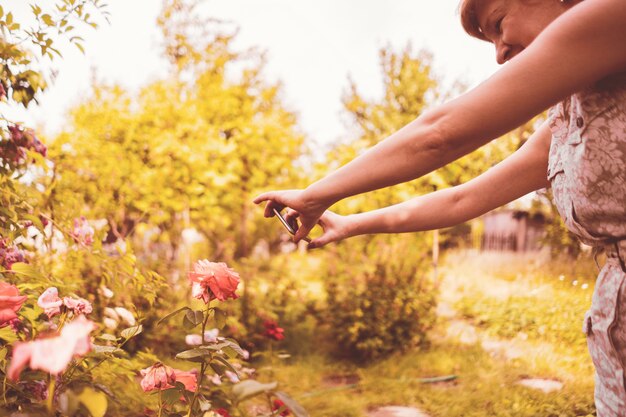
x=381, y=307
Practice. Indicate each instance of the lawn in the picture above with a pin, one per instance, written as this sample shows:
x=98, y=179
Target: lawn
x=524, y=314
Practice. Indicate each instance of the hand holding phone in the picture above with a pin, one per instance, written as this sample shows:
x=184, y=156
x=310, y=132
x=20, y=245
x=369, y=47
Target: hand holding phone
x=291, y=229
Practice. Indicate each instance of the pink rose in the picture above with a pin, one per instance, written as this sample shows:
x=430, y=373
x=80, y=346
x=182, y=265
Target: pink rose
x=53, y=354
x=50, y=302
x=77, y=305
x=10, y=302
x=188, y=378
x=211, y=280
x=157, y=376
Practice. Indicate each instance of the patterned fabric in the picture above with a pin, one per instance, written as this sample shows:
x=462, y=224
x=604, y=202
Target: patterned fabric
x=587, y=171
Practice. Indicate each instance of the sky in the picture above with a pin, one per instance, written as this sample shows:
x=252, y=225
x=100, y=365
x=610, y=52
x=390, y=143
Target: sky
x=312, y=47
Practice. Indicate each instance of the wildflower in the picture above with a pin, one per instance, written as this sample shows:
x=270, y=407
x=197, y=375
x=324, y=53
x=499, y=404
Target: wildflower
x=10, y=302
x=213, y=280
x=215, y=379
x=53, y=354
x=50, y=302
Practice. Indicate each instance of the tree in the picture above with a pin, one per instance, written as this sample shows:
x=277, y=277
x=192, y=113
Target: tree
x=188, y=151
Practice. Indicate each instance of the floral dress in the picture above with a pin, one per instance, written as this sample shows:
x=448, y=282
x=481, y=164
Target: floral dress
x=587, y=171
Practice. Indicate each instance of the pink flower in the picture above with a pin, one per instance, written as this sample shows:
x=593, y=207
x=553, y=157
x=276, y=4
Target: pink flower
x=10, y=302
x=193, y=339
x=9, y=256
x=211, y=280
x=188, y=378
x=50, y=302
x=157, y=376
x=54, y=354
x=82, y=232
x=77, y=305
x=233, y=377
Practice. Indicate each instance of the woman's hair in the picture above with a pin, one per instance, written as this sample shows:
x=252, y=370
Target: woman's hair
x=469, y=20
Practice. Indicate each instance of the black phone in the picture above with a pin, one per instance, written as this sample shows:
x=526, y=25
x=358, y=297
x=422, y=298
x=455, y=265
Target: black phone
x=287, y=226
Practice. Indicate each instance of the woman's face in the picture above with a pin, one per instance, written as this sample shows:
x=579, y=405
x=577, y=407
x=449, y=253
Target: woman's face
x=511, y=25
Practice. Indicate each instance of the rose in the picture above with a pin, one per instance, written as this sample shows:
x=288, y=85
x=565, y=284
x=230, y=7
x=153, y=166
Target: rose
x=188, y=378
x=50, y=302
x=10, y=302
x=213, y=280
x=78, y=305
x=157, y=376
x=277, y=406
x=53, y=354
x=272, y=330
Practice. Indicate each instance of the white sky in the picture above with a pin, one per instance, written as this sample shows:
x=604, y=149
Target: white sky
x=312, y=46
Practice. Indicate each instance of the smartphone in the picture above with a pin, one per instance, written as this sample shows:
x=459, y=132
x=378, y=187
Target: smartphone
x=290, y=229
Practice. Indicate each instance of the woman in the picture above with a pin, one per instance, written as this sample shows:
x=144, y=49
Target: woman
x=569, y=56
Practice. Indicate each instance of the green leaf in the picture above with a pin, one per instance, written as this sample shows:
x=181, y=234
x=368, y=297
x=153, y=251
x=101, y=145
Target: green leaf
x=291, y=404
x=195, y=355
x=106, y=349
x=226, y=364
x=94, y=401
x=26, y=270
x=192, y=319
x=107, y=337
x=232, y=343
x=170, y=396
x=35, y=219
x=172, y=314
x=47, y=19
x=250, y=388
x=131, y=331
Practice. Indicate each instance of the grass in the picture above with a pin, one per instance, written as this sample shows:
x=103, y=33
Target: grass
x=520, y=300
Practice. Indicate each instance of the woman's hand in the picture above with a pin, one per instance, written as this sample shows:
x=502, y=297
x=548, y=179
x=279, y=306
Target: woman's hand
x=335, y=228
x=303, y=208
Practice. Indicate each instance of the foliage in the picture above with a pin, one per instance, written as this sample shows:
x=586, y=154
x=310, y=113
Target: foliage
x=383, y=307
x=196, y=147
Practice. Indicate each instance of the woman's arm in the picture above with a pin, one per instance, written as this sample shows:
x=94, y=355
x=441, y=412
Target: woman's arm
x=582, y=46
x=519, y=174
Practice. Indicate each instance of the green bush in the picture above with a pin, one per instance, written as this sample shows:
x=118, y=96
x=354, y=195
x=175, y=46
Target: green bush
x=382, y=306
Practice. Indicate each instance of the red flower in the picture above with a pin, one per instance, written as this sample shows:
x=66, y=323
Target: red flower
x=277, y=406
x=213, y=280
x=272, y=330
x=222, y=412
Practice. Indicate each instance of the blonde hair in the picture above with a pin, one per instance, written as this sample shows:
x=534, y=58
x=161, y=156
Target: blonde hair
x=469, y=20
